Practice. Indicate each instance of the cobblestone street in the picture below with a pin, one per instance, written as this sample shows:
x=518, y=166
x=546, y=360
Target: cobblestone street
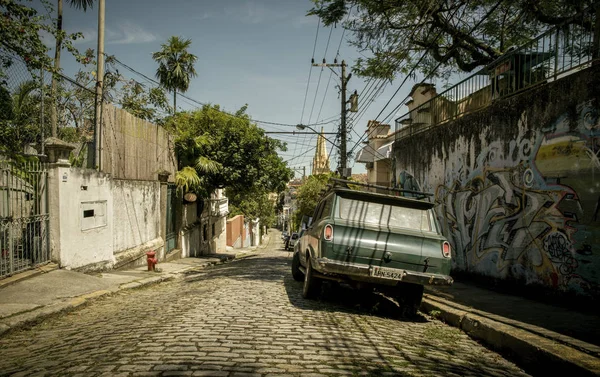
x=244, y=318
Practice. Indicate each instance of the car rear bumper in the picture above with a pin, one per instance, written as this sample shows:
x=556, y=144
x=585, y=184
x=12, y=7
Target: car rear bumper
x=361, y=272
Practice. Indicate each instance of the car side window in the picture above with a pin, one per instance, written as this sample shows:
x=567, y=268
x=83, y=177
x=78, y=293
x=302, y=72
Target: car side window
x=324, y=209
x=326, y=212
x=317, y=213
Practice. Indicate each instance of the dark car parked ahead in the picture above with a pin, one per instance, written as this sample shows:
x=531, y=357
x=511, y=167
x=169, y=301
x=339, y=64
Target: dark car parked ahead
x=389, y=243
x=291, y=241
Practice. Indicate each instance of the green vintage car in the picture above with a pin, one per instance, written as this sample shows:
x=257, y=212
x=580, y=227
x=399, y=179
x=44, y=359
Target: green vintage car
x=392, y=244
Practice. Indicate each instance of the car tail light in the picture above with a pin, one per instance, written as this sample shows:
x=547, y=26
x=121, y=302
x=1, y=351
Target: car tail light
x=328, y=232
x=446, y=249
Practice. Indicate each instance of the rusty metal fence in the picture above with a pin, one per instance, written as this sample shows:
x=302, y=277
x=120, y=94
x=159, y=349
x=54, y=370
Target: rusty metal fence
x=24, y=217
x=551, y=56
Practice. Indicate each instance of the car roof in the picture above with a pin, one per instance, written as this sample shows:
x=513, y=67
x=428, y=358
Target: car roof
x=380, y=198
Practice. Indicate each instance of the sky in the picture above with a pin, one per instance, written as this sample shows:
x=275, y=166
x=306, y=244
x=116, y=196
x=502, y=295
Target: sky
x=255, y=52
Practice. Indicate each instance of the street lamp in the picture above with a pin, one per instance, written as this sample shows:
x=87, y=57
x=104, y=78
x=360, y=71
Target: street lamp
x=302, y=127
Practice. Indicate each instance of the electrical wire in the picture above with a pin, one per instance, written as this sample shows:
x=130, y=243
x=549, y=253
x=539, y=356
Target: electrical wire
x=199, y=103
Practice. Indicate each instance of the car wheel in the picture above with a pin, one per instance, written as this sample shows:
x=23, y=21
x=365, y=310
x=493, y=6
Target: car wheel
x=410, y=298
x=296, y=273
x=312, y=284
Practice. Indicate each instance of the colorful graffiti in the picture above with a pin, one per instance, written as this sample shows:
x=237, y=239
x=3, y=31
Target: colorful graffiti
x=529, y=211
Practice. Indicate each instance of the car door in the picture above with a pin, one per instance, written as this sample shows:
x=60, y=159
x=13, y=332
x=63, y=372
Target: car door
x=321, y=217
x=310, y=235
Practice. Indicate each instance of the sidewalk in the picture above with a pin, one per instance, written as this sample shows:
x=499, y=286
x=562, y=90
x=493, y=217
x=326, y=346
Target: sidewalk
x=32, y=296
x=541, y=337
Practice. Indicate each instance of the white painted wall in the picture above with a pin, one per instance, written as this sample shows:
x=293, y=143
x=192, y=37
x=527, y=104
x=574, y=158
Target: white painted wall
x=77, y=188
x=190, y=233
x=124, y=225
x=136, y=213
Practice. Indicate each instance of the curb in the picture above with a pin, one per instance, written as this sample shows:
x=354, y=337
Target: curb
x=534, y=353
x=38, y=315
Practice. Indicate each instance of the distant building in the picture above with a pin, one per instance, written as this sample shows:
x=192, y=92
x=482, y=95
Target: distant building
x=320, y=164
x=377, y=154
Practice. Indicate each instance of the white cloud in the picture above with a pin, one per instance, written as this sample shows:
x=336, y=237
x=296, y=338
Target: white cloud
x=252, y=12
x=126, y=32
x=303, y=21
x=205, y=16
x=129, y=33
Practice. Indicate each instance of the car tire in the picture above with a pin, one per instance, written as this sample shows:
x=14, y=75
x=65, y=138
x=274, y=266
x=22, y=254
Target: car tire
x=410, y=298
x=296, y=273
x=312, y=284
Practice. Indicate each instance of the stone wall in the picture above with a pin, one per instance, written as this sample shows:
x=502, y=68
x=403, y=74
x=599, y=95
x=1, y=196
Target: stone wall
x=517, y=185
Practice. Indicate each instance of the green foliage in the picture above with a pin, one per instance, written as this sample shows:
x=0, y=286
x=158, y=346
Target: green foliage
x=187, y=178
x=228, y=151
x=144, y=103
x=69, y=134
x=20, y=120
x=175, y=66
x=20, y=29
x=78, y=160
x=459, y=35
x=308, y=195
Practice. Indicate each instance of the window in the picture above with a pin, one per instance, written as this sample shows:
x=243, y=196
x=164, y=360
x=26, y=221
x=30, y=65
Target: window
x=324, y=209
x=327, y=207
x=205, y=232
x=213, y=230
x=384, y=214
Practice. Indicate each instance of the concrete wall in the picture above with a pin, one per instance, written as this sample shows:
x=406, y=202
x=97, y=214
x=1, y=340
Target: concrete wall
x=76, y=241
x=137, y=218
x=190, y=232
x=517, y=185
x=199, y=235
x=235, y=232
x=100, y=223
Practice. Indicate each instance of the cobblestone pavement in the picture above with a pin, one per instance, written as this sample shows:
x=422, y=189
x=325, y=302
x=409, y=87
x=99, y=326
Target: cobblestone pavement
x=244, y=318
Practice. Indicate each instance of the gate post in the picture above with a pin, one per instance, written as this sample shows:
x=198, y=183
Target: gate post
x=58, y=171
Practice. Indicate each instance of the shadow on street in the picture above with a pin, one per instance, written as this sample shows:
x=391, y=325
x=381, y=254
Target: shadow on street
x=334, y=296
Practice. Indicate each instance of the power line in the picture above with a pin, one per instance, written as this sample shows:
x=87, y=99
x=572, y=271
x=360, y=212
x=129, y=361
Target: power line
x=199, y=103
x=310, y=71
x=406, y=78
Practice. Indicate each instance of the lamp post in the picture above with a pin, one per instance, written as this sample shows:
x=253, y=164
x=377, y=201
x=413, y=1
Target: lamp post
x=302, y=127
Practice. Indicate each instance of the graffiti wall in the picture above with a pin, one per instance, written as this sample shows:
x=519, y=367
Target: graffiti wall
x=517, y=185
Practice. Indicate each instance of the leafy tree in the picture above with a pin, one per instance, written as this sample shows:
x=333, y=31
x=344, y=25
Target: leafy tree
x=175, y=66
x=20, y=29
x=308, y=196
x=20, y=120
x=215, y=149
x=142, y=102
x=459, y=35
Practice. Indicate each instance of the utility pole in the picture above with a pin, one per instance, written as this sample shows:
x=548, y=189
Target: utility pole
x=344, y=171
x=99, y=86
x=343, y=155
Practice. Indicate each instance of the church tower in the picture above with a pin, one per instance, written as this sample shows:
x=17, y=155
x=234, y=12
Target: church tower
x=320, y=163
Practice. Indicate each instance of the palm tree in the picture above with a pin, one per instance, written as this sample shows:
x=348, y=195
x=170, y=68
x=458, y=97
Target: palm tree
x=175, y=66
x=79, y=4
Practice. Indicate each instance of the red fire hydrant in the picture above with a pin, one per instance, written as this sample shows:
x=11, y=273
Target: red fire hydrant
x=152, y=261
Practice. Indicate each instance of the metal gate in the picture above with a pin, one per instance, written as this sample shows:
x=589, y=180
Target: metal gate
x=24, y=218
x=171, y=241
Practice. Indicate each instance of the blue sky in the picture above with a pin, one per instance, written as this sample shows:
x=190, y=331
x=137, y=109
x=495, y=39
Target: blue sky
x=254, y=52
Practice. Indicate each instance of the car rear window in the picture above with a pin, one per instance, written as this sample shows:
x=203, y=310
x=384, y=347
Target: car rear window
x=384, y=214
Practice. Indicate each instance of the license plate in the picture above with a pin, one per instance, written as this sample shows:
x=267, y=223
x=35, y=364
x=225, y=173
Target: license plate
x=386, y=273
